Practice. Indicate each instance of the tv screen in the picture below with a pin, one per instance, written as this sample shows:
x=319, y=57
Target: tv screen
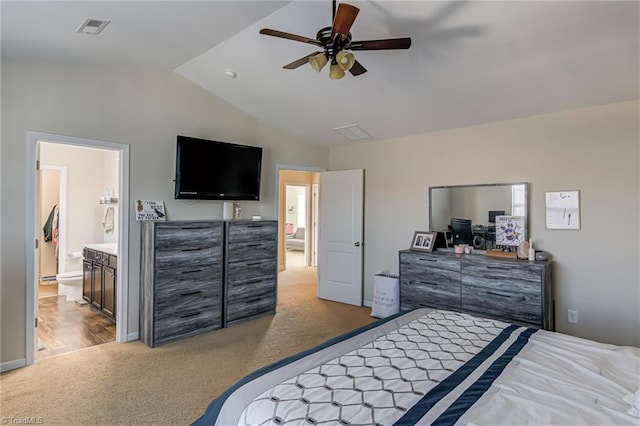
x=213, y=170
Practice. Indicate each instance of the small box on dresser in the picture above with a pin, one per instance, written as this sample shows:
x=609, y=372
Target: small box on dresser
x=180, y=279
x=251, y=269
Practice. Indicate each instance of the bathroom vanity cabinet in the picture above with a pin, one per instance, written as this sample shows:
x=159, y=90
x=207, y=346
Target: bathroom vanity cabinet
x=99, y=272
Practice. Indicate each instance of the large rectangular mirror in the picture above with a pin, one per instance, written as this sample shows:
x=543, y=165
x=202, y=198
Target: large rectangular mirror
x=476, y=206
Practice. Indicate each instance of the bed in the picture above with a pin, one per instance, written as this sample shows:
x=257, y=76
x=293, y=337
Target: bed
x=440, y=367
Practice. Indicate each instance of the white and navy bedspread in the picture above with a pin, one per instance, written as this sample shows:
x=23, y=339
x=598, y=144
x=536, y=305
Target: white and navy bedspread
x=439, y=367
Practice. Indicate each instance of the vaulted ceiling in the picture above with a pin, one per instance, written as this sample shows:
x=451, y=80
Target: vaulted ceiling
x=470, y=62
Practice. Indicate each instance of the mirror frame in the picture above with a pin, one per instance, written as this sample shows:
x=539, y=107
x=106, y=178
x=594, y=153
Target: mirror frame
x=526, y=200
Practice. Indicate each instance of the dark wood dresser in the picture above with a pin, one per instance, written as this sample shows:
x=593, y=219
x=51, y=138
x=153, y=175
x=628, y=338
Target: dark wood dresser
x=198, y=276
x=251, y=270
x=515, y=291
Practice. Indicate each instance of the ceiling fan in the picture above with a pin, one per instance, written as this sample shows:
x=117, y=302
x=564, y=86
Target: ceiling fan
x=335, y=42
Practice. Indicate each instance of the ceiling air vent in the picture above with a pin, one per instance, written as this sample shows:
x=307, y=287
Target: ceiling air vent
x=92, y=26
x=352, y=132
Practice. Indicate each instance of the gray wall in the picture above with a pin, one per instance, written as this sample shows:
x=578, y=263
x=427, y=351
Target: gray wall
x=594, y=150
x=145, y=108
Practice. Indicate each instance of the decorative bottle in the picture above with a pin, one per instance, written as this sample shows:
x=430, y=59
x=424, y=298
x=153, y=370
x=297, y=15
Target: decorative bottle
x=532, y=251
x=237, y=211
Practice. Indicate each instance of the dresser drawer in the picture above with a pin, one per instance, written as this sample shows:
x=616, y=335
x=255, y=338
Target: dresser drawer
x=251, y=289
x=251, y=231
x=248, y=308
x=426, y=292
x=187, y=259
x=186, y=323
x=248, y=250
x=176, y=299
x=240, y=272
x=440, y=267
x=504, y=277
x=189, y=279
x=523, y=307
x=187, y=236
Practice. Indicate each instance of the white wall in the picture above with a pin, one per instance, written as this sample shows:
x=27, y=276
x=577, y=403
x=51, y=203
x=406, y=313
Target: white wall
x=145, y=108
x=594, y=150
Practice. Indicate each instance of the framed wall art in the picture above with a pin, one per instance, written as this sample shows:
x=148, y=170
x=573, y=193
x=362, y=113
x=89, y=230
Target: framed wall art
x=562, y=209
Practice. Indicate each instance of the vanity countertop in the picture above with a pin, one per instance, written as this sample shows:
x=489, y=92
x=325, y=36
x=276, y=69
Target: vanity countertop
x=111, y=248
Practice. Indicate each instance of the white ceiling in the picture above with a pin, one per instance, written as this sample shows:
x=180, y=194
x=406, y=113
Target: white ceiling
x=470, y=61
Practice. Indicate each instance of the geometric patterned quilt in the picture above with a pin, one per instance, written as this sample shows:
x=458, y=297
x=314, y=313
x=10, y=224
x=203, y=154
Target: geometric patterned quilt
x=424, y=367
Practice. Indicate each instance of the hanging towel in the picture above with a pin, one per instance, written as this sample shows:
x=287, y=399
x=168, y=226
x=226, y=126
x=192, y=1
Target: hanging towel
x=50, y=224
x=107, y=222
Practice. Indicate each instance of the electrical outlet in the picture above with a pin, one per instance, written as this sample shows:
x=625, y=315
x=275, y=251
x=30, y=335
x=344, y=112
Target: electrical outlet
x=572, y=316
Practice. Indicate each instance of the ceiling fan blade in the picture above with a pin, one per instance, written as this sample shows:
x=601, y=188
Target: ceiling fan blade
x=357, y=69
x=345, y=16
x=300, y=62
x=289, y=36
x=389, y=43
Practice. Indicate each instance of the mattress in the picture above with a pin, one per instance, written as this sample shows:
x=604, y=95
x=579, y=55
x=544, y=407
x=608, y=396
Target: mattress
x=439, y=367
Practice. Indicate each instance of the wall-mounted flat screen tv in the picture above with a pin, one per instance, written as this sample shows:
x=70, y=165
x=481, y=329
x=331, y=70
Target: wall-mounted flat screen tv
x=213, y=170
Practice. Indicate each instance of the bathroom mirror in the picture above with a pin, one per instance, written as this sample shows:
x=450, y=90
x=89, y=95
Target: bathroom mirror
x=479, y=204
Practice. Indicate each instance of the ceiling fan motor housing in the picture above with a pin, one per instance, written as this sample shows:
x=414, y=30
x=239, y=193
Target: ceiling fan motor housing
x=332, y=45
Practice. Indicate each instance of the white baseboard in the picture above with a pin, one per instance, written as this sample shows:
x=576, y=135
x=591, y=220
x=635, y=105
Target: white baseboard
x=12, y=365
x=133, y=336
x=368, y=303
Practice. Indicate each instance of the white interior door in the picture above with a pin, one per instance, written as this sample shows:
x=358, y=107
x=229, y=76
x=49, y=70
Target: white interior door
x=340, y=236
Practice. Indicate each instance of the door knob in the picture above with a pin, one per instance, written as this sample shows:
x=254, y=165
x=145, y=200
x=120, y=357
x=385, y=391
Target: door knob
x=357, y=244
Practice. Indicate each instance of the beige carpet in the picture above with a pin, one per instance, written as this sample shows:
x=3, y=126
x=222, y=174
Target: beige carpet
x=130, y=383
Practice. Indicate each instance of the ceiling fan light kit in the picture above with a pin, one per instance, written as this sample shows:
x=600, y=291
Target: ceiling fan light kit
x=335, y=41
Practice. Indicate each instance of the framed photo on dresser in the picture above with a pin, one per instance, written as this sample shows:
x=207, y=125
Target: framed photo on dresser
x=424, y=241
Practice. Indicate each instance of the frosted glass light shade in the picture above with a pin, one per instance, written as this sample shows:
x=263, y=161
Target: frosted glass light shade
x=345, y=60
x=318, y=61
x=336, y=73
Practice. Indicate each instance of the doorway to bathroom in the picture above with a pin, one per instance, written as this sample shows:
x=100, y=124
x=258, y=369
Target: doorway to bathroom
x=78, y=271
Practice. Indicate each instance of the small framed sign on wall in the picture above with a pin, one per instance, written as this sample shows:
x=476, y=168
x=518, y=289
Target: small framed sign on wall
x=562, y=209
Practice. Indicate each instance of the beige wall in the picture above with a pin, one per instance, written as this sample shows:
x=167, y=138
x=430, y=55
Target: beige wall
x=594, y=150
x=145, y=108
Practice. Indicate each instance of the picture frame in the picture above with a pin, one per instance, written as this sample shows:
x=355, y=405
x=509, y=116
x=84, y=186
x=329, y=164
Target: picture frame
x=423, y=241
x=562, y=209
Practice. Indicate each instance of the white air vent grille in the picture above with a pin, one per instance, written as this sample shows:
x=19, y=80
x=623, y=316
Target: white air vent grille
x=92, y=26
x=352, y=132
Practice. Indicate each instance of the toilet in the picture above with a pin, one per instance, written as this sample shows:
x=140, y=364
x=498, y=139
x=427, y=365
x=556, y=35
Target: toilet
x=70, y=284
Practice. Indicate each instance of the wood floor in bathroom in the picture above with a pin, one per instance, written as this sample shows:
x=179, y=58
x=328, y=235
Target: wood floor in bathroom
x=68, y=326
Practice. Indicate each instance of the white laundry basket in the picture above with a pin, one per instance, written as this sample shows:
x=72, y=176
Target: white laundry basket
x=386, y=295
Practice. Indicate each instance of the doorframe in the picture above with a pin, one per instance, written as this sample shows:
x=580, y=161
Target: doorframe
x=62, y=218
x=32, y=257
x=307, y=219
x=293, y=168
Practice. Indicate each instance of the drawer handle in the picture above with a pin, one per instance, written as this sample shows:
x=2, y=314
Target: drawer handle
x=495, y=293
x=500, y=268
x=191, y=272
x=427, y=260
x=254, y=226
x=191, y=293
x=192, y=249
x=424, y=282
x=254, y=264
x=253, y=281
x=254, y=245
x=190, y=315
